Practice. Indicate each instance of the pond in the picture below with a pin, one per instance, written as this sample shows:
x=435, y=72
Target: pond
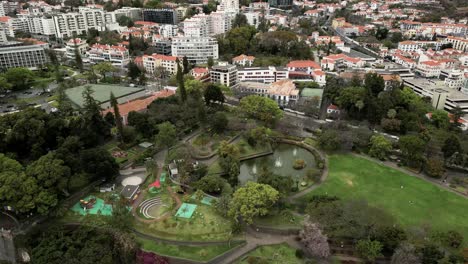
x=280, y=162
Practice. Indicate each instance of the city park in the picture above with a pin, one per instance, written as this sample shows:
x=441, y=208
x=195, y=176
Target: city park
x=175, y=216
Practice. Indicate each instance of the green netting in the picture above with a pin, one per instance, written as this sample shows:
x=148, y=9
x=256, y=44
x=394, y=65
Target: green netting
x=98, y=207
x=186, y=210
x=207, y=200
x=154, y=190
x=162, y=178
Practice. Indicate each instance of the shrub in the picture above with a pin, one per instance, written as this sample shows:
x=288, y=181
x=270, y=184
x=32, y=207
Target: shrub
x=299, y=253
x=299, y=164
x=435, y=168
x=313, y=174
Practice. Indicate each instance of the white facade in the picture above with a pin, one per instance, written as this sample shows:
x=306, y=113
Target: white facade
x=253, y=18
x=262, y=75
x=153, y=62
x=208, y=25
x=116, y=55
x=197, y=50
x=231, y=6
x=74, y=45
x=70, y=24
x=28, y=56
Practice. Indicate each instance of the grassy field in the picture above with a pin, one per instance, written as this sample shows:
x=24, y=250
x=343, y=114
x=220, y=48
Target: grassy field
x=273, y=254
x=198, y=253
x=205, y=225
x=280, y=219
x=418, y=202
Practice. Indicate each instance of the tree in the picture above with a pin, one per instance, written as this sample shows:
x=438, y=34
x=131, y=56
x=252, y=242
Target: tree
x=329, y=140
x=167, y=134
x=374, y=83
x=4, y=84
x=261, y=108
x=213, y=95
x=412, y=148
x=381, y=33
x=210, y=62
x=390, y=237
x=98, y=163
x=440, y=119
x=369, y=249
x=180, y=82
x=186, y=65
x=118, y=117
x=229, y=161
x=431, y=254
x=314, y=240
x=103, y=68
x=434, y=168
x=240, y=20
x=406, y=254
x=94, y=128
x=134, y=71
x=220, y=122
x=451, y=146
x=211, y=184
x=283, y=184
x=50, y=173
x=380, y=146
x=252, y=200
x=19, y=78
x=78, y=59
x=125, y=21
x=121, y=218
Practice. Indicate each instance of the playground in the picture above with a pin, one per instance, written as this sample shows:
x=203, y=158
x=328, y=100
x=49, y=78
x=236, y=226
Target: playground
x=92, y=205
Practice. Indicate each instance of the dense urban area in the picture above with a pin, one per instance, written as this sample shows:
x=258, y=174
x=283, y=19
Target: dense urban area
x=234, y=131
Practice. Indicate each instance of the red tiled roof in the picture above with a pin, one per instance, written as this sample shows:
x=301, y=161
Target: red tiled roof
x=303, y=64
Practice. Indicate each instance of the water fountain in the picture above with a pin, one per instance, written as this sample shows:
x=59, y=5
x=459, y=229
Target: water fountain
x=294, y=152
x=254, y=169
x=278, y=162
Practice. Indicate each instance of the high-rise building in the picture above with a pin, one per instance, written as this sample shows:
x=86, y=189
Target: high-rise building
x=281, y=3
x=161, y=16
x=231, y=6
x=197, y=50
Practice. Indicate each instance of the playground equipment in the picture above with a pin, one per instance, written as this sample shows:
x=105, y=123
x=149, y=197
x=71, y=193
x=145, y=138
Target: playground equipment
x=88, y=204
x=155, y=187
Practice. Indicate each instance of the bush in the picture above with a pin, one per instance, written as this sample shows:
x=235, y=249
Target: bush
x=299, y=253
x=435, y=168
x=299, y=164
x=313, y=174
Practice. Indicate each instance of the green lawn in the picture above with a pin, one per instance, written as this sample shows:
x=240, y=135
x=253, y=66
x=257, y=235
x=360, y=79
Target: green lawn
x=280, y=219
x=205, y=225
x=197, y=253
x=273, y=254
x=418, y=202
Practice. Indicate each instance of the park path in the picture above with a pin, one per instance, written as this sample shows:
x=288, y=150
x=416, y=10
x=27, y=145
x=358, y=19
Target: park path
x=418, y=175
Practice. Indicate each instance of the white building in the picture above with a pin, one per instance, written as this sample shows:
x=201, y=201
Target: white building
x=225, y=74
x=134, y=13
x=262, y=75
x=453, y=79
x=253, y=18
x=197, y=50
x=75, y=45
x=202, y=25
x=231, y=6
x=28, y=56
x=458, y=43
x=116, y=55
x=70, y=24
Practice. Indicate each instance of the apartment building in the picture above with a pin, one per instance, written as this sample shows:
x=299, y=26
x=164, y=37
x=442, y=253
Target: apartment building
x=70, y=24
x=225, y=74
x=429, y=69
x=458, y=43
x=28, y=56
x=116, y=55
x=453, y=79
x=306, y=66
x=334, y=61
x=152, y=62
x=75, y=45
x=202, y=25
x=262, y=74
x=132, y=12
x=197, y=50
x=161, y=16
x=411, y=46
x=230, y=6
